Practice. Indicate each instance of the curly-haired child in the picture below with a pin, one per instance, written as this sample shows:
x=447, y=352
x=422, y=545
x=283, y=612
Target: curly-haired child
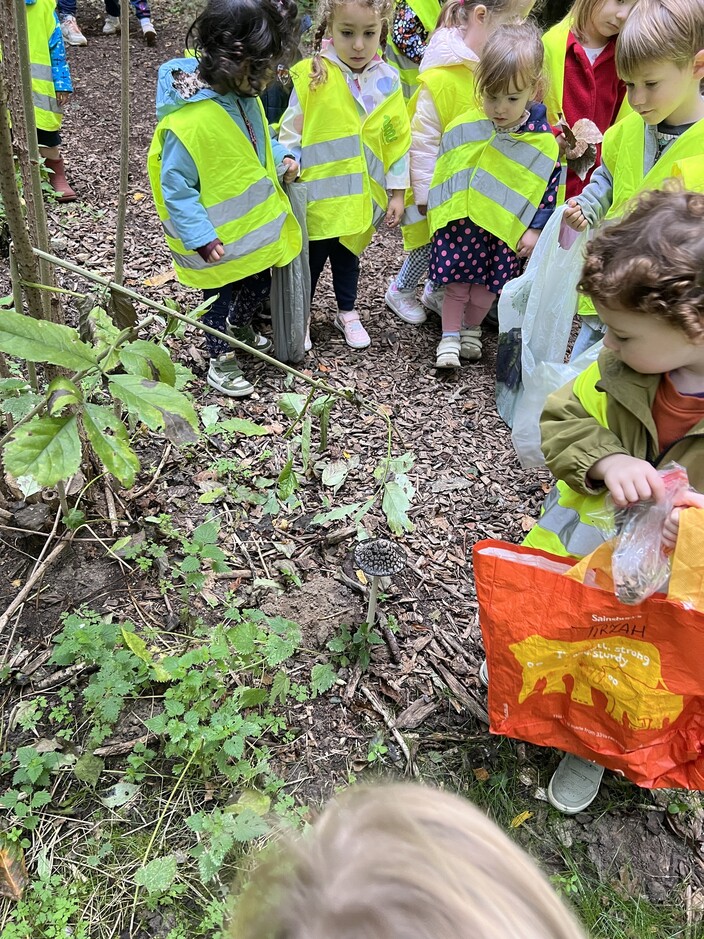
x=639, y=406
x=401, y=862
x=212, y=168
x=347, y=119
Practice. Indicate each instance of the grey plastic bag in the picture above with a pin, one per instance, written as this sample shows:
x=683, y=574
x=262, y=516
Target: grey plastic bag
x=290, y=289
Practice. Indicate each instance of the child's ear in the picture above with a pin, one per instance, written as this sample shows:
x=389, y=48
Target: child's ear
x=479, y=13
x=698, y=70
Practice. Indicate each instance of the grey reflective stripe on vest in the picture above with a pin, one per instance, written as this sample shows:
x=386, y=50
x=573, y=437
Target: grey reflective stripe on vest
x=401, y=62
x=329, y=151
x=231, y=209
x=254, y=241
x=508, y=199
x=45, y=102
x=334, y=187
x=42, y=72
x=443, y=192
x=466, y=133
x=411, y=215
x=575, y=536
x=375, y=169
x=525, y=154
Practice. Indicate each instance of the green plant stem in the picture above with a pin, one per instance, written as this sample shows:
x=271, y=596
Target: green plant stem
x=17, y=301
x=61, y=490
x=124, y=141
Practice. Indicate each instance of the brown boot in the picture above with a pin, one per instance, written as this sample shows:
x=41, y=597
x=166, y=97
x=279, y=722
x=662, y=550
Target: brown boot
x=58, y=180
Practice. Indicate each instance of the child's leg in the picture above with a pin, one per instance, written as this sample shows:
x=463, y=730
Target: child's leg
x=247, y=301
x=345, y=278
x=453, y=307
x=49, y=141
x=224, y=373
x=318, y=253
x=480, y=301
x=401, y=295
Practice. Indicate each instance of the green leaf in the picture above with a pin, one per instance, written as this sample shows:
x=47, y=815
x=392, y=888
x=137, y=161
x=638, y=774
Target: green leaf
x=60, y=394
x=89, y=768
x=139, y=647
x=292, y=404
x=248, y=825
x=158, y=875
x=209, y=415
x=252, y=799
x=334, y=515
x=148, y=360
x=119, y=795
x=113, y=450
x=104, y=334
x=207, y=533
x=322, y=678
x=157, y=405
x=47, y=448
x=19, y=406
x=42, y=341
x=277, y=649
x=122, y=309
x=287, y=481
x=239, y=425
x=396, y=503
x=280, y=687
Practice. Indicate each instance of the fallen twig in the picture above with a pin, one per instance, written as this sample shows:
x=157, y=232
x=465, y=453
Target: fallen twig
x=391, y=724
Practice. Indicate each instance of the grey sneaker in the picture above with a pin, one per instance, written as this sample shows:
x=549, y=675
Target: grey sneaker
x=225, y=375
x=148, y=32
x=248, y=335
x=574, y=784
x=111, y=26
x=448, y=352
x=432, y=299
x=71, y=32
x=471, y=343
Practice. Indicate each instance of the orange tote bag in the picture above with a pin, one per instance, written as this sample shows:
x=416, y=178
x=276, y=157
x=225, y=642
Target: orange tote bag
x=571, y=667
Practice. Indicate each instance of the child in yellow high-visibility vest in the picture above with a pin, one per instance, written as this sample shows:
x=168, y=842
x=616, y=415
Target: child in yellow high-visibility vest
x=347, y=119
x=51, y=89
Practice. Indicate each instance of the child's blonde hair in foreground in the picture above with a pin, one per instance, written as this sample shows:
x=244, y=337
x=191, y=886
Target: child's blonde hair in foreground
x=401, y=862
x=513, y=54
x=660, y=31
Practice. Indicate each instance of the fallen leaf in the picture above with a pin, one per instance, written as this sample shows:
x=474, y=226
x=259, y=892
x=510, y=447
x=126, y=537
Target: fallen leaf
x=527, y=522
x=13, y=873
x=361, y=578
x=481, y=774
x=158, y=280
x=520, y=819
x=138, y=196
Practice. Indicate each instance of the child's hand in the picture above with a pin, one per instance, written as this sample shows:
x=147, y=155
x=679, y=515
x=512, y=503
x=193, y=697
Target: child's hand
x=292, y=169
x=562, y=143
x=672, y=524
x=574, y=217
x=62, y=98
x=628, y=479
x=395, y=210
x=423, y=209
x=527, y=242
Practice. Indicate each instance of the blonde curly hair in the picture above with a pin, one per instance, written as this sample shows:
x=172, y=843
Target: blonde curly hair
x=325, y=15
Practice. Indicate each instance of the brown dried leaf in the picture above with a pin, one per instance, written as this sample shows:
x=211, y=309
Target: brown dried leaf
x=586, y=130
x=13, y=873
x=527, y=522
x=481, y=774
x=158, y=280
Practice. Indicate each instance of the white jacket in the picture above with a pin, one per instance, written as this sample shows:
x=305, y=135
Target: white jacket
x=446, y=47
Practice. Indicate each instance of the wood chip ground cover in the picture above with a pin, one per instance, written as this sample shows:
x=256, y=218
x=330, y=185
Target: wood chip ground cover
x=422, y=684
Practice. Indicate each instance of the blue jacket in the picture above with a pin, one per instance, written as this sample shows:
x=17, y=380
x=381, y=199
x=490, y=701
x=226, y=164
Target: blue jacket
x=179, y=177
x=57, y=53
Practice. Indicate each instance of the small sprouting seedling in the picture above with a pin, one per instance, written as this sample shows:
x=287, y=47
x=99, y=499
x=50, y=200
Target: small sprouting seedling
x=377, y=750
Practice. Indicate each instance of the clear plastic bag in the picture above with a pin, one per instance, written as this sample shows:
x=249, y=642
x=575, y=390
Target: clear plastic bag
x=641, y=561
x=536, y=311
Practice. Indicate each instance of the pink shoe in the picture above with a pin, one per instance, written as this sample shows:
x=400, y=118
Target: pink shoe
x=356, y=335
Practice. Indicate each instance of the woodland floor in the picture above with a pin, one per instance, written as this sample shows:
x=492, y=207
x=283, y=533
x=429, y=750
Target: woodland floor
x=468, y=486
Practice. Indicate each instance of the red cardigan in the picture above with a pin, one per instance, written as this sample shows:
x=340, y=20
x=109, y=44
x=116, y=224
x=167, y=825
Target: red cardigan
x=595, y=92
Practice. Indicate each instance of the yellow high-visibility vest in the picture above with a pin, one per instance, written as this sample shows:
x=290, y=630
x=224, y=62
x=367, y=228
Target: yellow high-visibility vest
x=427, y=12
x=623, y=152
x=345, y=157
x=555, y=44
x=244, y=201
x=495, y=179
x=41, y=23
x=452, y=89
x=566, y=524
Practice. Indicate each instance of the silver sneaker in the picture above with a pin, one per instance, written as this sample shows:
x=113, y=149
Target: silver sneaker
x=112, y=25
x=432, y=299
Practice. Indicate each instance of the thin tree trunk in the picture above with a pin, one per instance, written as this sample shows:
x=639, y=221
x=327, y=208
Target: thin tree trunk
x=124, y=141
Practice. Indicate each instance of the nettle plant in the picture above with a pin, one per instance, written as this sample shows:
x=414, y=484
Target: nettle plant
x=114, y=375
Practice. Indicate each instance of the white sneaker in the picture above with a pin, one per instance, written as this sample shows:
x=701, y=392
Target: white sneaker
x=71, y=32
x=471, y=343
x=112, y=25
x=448, y=352
x=148, y=32
x=404, y=304
x=432, y=299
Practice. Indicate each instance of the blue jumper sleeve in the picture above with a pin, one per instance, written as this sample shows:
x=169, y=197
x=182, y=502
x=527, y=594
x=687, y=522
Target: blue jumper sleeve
x=180, y=187
x=60, y=73
x=549, y=200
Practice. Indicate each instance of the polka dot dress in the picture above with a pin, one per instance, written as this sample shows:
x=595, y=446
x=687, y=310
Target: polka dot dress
x=463, y=252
